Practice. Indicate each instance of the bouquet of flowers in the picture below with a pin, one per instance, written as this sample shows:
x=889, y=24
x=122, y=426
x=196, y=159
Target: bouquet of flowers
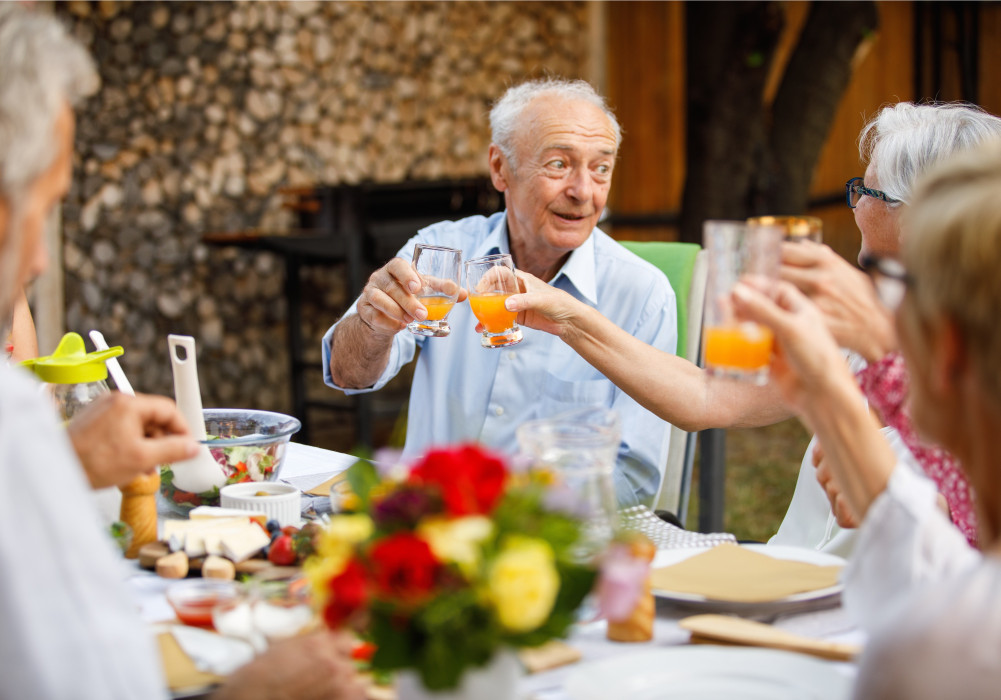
x=445, y=567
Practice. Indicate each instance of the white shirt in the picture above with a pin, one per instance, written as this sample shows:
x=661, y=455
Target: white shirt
x=68, y=625
x=463, y=392
x=933, y=602
x=809, y=521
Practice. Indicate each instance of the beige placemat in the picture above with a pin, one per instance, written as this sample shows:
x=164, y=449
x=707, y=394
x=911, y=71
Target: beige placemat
x=736, y=574
x=179, y=669
x=324, y=488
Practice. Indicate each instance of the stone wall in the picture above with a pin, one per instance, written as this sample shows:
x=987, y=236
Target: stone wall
x=207, y=108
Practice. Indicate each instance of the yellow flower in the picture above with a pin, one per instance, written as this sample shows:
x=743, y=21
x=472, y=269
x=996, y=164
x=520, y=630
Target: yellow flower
x=457, y=540
x=335, y=547
x=523, y=583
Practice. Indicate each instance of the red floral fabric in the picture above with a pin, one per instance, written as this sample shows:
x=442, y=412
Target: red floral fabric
x=885, y=383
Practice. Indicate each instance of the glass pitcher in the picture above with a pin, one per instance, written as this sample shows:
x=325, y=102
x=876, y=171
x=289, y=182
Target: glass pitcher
x=579, y=449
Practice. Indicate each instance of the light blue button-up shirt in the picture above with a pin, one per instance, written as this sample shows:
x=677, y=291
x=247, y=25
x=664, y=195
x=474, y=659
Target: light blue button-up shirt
x=464, y=392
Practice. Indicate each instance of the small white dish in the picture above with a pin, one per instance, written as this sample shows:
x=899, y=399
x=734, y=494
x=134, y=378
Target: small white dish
x=280, y=502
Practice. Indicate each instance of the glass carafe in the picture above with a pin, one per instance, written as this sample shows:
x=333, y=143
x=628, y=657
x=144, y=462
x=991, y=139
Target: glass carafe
x=578, y=448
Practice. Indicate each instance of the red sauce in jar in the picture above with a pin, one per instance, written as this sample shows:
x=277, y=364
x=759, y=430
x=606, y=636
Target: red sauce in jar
x=197, y=613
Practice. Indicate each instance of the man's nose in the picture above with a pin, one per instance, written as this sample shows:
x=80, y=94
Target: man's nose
x=579, y=186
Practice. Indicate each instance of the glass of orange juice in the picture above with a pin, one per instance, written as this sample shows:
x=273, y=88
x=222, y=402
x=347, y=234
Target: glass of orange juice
x=747, y=252
x=490, y=281
x=439, y=269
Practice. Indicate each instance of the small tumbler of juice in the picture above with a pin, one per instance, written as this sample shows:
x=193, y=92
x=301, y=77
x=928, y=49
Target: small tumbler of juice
x=490, y=281
x=439, y=269
x=738, y=252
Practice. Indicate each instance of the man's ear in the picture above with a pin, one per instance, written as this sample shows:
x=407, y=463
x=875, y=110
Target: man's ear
x=499, y=169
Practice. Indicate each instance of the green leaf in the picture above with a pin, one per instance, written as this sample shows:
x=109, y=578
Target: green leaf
x=362, y=477
x=394, y=643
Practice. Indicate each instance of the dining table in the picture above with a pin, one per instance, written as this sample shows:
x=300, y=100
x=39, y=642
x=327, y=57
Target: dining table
x=597, y=657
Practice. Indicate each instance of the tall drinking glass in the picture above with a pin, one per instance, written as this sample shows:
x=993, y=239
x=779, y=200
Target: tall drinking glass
x=490, y=281
x=439, y=270
x=797, y=228
x=751, y=253
x=578, y=449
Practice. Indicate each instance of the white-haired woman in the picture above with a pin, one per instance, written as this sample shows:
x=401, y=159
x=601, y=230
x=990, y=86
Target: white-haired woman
x=933, y=601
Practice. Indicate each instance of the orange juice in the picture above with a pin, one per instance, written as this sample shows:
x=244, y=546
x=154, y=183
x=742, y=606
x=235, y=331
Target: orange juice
x=438, y=306
x=743, y=347
x=489, y=308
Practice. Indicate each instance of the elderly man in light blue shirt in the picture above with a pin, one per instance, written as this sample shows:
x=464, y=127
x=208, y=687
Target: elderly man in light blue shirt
x=553, y=151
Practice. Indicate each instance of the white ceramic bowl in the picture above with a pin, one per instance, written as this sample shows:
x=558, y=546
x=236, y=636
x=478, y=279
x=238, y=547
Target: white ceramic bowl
x=280, y=502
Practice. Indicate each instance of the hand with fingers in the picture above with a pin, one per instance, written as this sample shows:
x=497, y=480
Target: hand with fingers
x=843, y=513
x=845, y=296
x=544, y=307
x=118, y=438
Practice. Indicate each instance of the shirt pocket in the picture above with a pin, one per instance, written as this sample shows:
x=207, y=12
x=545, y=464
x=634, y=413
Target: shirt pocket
x=559, y=395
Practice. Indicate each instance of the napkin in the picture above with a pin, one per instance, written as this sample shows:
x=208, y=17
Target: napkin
x=736, y=574
x=178, y=668
x=550, y=655
x=210, y=652
x=324, y=488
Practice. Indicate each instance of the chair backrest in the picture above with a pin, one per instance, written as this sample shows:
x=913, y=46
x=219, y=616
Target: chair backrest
x=686, y=267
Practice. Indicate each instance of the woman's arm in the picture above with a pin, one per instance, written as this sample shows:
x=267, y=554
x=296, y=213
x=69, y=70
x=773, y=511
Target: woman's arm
x=22, y=332
x=673, y=388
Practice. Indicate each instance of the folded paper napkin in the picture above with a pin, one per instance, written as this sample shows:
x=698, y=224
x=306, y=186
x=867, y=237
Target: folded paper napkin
x=324, y=488
x=736, y=574
x=211, y=654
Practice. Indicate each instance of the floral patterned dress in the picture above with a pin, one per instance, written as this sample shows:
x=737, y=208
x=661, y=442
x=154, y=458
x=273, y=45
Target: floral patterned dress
x=885, y=383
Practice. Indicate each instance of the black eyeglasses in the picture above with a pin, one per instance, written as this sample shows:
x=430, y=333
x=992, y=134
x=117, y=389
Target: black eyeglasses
x=854, y=189
x=889, y=277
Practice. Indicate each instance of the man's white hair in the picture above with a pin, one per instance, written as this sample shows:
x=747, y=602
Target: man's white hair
x=506, y=112
x=42, y=69
x=905, y=139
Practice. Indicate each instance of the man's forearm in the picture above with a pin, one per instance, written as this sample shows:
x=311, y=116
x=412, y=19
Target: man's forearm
x=358, y=355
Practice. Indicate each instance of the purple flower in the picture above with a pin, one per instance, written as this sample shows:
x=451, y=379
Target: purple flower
x=404, y=507
x=620, y=582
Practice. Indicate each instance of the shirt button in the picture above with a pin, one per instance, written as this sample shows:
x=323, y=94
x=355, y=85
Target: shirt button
x=499, y=410
x=511, y=354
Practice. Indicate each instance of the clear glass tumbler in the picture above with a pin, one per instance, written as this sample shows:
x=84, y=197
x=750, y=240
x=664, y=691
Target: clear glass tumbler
x=490, y=281
x=439, y=270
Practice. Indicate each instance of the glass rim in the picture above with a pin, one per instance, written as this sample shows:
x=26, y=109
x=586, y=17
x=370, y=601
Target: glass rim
x=490, y=258
x=425, y=246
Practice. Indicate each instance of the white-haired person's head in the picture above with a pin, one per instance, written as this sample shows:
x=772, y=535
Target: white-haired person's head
x=905, y=139
x=43, y=71
x=505, y=116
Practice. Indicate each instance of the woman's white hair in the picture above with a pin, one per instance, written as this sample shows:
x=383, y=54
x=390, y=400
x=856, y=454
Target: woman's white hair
x=506, y=112
x=42, y=69
x=905, y=139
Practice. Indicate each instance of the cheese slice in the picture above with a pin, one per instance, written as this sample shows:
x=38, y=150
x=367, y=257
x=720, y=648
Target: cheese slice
x=211, y=512
x=244, y=543
x=178, y=532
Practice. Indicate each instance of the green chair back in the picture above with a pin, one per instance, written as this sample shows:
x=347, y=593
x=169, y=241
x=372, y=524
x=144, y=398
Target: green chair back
x=677, y=262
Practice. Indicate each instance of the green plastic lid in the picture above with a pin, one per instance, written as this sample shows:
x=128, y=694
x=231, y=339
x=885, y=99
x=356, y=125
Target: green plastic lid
x=71, y=363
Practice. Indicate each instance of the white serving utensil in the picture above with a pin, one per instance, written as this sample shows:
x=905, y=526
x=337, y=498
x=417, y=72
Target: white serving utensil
x=114, y=368
x=200, y=473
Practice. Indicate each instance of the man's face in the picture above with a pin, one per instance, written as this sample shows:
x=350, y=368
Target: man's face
x=38, y=201
x=565, y=152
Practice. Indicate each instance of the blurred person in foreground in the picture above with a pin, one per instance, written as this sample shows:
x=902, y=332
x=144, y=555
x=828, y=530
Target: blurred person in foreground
x=933, y=602
x=553, y=153
x=901, y=142
x=69, y=628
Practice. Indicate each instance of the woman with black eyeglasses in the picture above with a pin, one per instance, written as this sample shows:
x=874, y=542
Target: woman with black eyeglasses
x=932, y=602
x=900, y=143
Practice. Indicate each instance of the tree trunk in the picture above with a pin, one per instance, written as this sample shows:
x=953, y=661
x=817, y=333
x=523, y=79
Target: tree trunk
x=743, y=159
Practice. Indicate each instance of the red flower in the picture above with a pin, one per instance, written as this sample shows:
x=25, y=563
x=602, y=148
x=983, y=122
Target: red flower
x=403, y=567
x=348, y=595
x=471, y=479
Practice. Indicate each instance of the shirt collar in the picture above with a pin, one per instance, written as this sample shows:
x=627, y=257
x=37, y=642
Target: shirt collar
x=580, y=273
x=578, y=269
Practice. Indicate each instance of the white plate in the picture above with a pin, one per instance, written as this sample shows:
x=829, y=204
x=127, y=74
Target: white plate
x=709, y=673
x=820, y=598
